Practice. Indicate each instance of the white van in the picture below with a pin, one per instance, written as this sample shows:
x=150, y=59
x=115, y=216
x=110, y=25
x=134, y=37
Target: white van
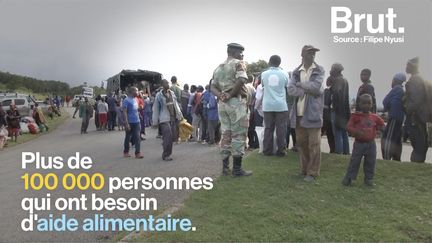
x=23, y=102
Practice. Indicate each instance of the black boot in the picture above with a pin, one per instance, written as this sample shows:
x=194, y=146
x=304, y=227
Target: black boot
x=225, y=167
x=237, y=168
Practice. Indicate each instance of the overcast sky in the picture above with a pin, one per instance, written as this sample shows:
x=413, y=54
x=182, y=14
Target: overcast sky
x=80, y=41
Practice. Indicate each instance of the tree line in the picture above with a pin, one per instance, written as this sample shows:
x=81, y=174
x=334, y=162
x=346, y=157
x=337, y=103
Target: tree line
x=13, y=82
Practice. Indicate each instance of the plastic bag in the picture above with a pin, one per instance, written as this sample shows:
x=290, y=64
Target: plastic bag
x=260, y=134
x=27, y=119
x=33, y=128
x=24, y=128
x=185, y=130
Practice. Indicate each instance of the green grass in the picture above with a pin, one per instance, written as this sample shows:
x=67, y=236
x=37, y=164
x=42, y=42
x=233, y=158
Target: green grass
x=118, y=236
x=51, y=123
x=275, y=204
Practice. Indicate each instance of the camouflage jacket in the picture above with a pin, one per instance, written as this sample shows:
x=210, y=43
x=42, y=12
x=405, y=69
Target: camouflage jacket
x=227, y=73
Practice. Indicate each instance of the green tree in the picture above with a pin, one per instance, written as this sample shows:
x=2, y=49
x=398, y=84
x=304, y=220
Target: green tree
x=13, y=83
x=256, y=68
x=76, y=90
x=98, y=90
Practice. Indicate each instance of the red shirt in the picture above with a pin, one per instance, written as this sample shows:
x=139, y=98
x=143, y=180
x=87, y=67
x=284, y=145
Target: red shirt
x=364, y=126
x=140, y=102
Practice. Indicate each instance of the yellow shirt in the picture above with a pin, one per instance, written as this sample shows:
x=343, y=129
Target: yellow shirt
x=304, y=77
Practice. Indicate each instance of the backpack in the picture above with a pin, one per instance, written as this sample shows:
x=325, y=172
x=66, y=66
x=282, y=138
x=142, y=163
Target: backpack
x=197, y=104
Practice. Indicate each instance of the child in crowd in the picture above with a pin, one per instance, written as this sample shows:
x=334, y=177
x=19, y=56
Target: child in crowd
x=147, y=110
x=120, y=116
x=102, y=108
x=363, y=126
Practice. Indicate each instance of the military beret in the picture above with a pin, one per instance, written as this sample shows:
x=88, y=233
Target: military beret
x=236, y=46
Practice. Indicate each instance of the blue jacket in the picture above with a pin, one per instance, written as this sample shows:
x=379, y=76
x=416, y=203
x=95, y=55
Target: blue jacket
x=112, y=103
x=148, y=105
x=393, y=103
x=205, y=100
x=212, y=106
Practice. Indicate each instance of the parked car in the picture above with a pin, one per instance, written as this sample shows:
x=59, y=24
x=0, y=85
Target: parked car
x=23, y=102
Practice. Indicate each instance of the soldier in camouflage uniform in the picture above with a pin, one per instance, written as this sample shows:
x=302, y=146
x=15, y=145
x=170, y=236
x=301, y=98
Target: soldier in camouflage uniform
x=228, y=85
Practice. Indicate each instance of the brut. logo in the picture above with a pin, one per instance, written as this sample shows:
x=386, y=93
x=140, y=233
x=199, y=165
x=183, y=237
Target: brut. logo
x=374, y=24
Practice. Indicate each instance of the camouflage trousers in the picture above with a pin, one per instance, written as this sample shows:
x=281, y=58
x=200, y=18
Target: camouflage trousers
x=234, y=119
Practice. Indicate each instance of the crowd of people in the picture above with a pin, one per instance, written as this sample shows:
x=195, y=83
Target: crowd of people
x=296, y=105
x=34, y=121
x=317, y=110
x=164, y=109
